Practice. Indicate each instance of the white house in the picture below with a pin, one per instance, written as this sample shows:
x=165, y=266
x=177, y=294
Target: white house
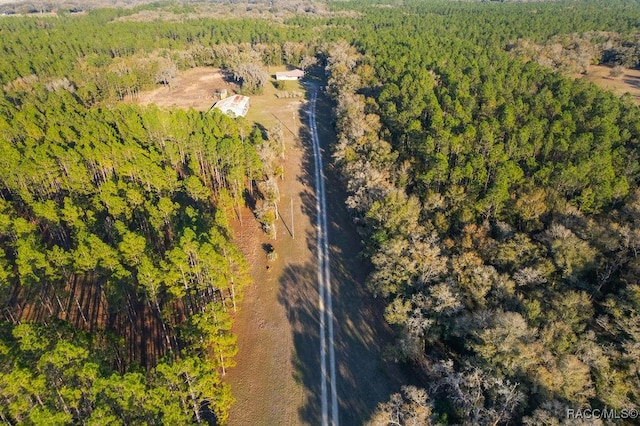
x=236, y=105
x=290, y=75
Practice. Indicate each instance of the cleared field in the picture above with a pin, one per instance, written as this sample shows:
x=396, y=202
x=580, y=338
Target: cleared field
x=629, y=82
x=266, y=382
x=195, y=88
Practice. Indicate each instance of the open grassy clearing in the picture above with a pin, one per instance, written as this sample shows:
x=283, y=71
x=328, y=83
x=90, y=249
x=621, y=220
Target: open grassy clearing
x=195, y=88
x=629, y=82
x=265, y=383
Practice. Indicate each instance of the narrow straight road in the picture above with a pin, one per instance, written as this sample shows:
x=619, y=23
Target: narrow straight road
x=327, y=340
x=310, y=337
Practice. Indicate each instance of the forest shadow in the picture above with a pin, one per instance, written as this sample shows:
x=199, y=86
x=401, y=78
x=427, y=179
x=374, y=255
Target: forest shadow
x=298, y=293
x=304, y=138
x=227, y=77
x=84, y=304
x=363, y=378
x=362, y=334
x=632, y=81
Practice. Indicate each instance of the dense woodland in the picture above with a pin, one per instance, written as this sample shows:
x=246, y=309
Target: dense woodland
x=498, y=201
x=118, y=277
x=114, y=222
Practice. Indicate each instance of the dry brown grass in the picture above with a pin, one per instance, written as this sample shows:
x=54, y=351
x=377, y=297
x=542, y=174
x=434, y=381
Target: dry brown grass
x=629, y=82
x=265, y=381
x=267, y=109
x=194, y=88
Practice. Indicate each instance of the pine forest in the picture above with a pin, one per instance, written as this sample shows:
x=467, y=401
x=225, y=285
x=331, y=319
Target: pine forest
x=495, y=190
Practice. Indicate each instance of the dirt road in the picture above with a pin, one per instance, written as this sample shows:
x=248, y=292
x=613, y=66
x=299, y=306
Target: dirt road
x=290, y=369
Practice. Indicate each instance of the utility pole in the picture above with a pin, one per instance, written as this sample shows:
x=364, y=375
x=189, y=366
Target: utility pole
x=293, y=232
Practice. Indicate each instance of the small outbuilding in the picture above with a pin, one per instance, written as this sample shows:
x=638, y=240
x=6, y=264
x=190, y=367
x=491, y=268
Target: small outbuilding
x=236, y=105
x=290, y=75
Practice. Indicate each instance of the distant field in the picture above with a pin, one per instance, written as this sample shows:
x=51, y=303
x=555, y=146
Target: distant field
x=629, y=82
x=84, y=4
x=216, y=9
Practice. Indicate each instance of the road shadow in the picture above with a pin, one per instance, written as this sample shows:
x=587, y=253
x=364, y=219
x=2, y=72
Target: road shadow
x=364, y=379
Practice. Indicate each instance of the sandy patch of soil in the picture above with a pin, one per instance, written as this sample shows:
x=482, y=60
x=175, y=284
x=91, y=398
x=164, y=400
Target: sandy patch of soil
x=629, y=82
x=194, y=88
